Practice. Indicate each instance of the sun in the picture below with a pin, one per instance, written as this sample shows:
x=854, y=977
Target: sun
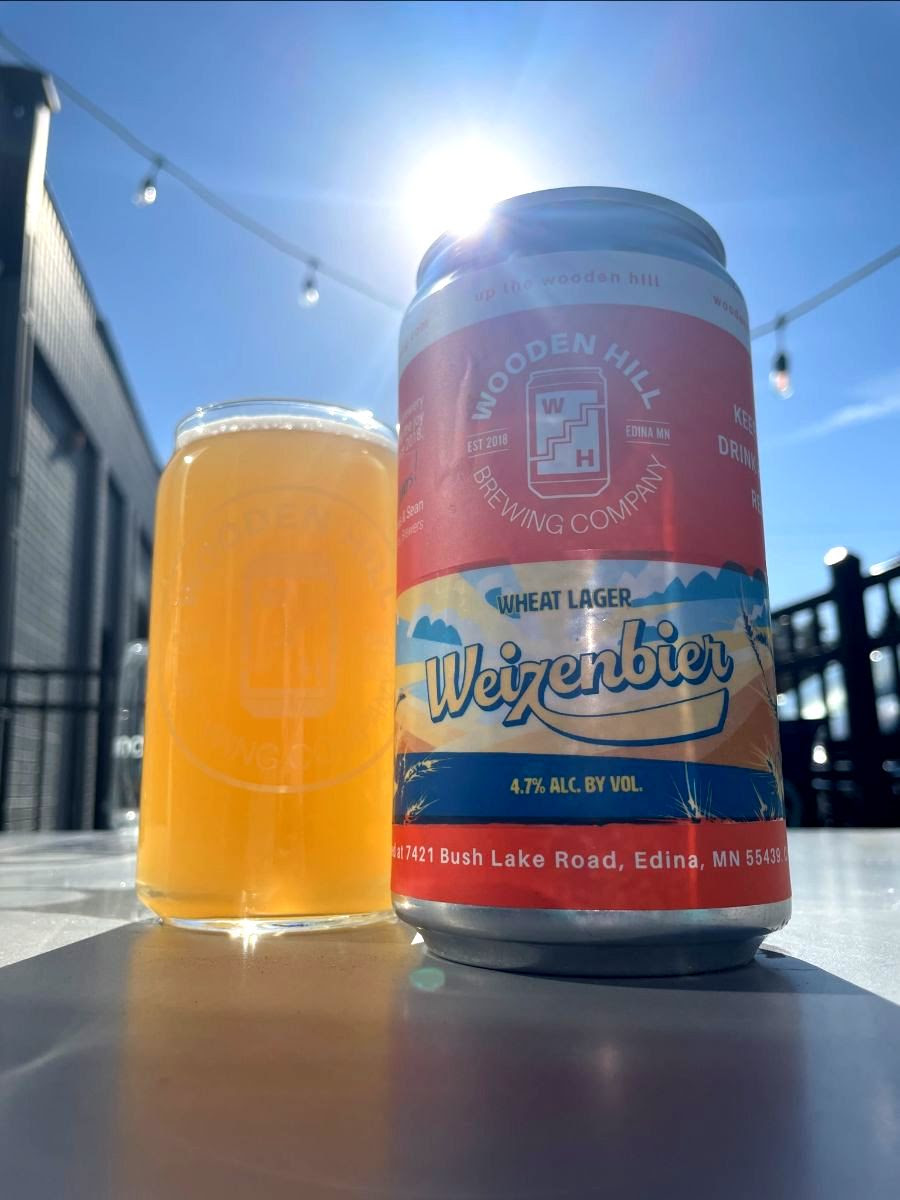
x=453, y=187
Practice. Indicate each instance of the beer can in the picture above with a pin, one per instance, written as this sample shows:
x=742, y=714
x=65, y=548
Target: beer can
x=587, y=775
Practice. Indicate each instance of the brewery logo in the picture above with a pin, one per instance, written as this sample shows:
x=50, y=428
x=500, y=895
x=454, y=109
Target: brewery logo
x=552, y=426
x=568, y=432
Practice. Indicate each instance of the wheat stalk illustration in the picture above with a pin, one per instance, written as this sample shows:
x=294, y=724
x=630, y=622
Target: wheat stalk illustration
x=757, y=638
x=690, y=802
x=416, y=809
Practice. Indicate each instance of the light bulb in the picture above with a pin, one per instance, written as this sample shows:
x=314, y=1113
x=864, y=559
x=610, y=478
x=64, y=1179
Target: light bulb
x=780, y=376
x=781, y=382
x=310, y=294
x=146, y=193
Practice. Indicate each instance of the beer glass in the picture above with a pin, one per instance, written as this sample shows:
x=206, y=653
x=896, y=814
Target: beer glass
x=128, y=739
x=267, y=772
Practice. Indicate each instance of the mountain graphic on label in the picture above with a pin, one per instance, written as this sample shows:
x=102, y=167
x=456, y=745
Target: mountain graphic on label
x=568, y=432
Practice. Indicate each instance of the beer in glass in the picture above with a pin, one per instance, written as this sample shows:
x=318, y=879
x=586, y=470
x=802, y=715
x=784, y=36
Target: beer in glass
x=267, y=774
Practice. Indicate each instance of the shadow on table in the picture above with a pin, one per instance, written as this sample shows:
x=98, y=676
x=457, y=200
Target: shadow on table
x=777, y=1079
x=771, y=972
x=147, y=1062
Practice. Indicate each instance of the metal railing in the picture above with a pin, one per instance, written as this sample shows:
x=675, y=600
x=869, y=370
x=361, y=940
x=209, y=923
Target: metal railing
x=55, y=725
x=837, y=658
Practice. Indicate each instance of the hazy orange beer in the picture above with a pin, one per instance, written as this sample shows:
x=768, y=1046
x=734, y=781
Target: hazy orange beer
x=267, y=772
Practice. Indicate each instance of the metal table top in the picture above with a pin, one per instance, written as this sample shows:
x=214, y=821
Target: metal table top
x=138, y=1061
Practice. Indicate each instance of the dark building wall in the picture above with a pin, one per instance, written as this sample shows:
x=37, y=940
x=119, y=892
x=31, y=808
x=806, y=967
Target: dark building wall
x=50, y=604
x=78, y=351
x=49, y=615
x=78, y=499
x=72, y=343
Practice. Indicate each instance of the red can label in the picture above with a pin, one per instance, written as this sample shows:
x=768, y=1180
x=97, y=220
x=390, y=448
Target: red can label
x=586, y=698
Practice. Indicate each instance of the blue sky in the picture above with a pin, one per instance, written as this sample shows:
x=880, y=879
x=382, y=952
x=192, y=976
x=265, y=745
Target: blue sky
x=775, y=121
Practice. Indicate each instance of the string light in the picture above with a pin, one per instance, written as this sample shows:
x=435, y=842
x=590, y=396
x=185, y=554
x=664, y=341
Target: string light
x=148, y=190
x=780, y=375
x=309, y=297
x=148, y=193
x=826, y=294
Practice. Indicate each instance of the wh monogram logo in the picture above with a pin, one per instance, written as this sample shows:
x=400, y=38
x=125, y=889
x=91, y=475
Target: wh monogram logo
x=568, y=432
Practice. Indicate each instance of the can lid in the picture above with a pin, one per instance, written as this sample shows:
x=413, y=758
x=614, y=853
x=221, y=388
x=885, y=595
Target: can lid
x=459, y=249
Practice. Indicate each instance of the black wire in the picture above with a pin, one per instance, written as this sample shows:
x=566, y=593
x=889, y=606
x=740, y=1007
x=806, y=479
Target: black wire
x=284, y=246
x=200, y=190
x=805, y=306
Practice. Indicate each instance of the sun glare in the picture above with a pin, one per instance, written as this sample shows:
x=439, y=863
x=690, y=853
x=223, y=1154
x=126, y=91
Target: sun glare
x=453, y=187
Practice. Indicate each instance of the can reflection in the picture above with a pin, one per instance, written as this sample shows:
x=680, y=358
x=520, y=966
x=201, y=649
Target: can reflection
x=251, y=1069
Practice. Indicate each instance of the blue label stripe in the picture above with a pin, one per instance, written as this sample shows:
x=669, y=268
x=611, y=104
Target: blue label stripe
x=474, y=788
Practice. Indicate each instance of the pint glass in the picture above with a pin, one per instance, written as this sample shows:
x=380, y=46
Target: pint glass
x=267, y=774
x=128, y=739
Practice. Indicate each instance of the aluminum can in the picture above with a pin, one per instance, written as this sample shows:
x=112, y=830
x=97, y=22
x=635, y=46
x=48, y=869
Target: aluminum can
x=587, y=774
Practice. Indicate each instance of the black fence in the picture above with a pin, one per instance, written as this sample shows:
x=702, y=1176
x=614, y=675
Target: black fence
x=55, y=740
x=838, y=671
